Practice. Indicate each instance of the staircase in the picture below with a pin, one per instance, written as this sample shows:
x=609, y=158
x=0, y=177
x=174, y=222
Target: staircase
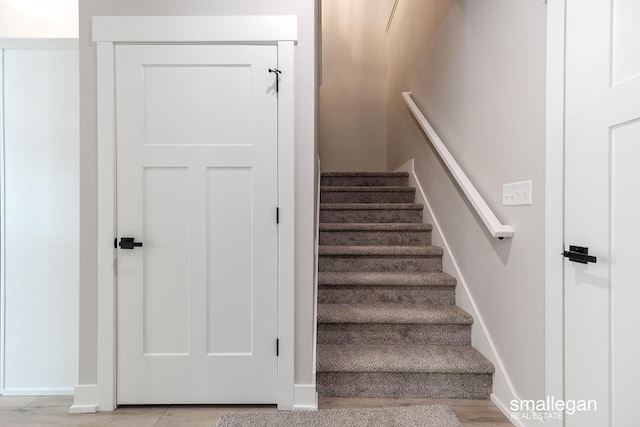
x=387, y=321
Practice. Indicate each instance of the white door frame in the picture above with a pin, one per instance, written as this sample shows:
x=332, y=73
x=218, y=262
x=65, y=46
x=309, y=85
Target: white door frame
x=111, y=30
x=554, y=203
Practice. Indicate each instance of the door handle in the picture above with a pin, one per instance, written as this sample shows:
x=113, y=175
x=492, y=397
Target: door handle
x=129, y=243
x=579, y=254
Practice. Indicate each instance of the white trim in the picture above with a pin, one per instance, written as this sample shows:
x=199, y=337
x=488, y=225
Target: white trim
x=481, y=336
x=3, y=308
x=554, y=203
x=39, y=43
x=507, y=413
x=109, y=30
x=83, y=409
x=47, y=391
x=316, y=249
x=201, y=29
x=306, y=397
x=106, y=131
x=84, y=399
x=286, y=229
x=495, y=227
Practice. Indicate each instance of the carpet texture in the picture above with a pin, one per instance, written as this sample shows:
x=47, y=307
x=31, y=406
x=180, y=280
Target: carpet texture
x=387, y=321
x=423, y=416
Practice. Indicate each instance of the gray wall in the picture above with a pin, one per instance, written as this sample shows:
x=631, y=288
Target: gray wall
x=477, y=70
x=305, y=98
x=353, y=95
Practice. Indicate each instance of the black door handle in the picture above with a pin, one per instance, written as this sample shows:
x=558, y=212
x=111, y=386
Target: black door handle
x=129, y=243
x=579, y=254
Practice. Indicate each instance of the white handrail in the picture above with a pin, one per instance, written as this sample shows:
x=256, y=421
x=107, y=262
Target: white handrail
x=495, y=227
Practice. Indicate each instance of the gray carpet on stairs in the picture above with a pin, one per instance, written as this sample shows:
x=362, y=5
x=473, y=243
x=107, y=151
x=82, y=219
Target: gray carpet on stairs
x=424, y=416
x=387, y=321
x=393, y=313
x=399, y=279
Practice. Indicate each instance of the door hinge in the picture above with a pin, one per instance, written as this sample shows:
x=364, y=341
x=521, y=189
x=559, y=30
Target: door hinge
x=277, y=73
x=277, y=347
x=277, y=215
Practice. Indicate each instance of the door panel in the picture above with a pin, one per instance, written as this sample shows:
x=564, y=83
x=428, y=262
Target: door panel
x=601, y=207
x=169, y=92
x=230, y=222
x=39, y=143
x=165, y=289
x=197, y=184
x=625, y=292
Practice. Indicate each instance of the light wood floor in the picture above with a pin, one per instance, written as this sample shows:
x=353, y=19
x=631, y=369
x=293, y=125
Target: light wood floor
x=54, y=411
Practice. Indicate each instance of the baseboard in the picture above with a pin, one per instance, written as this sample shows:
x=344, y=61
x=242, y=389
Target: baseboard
x=305, y=397
x=520, y=422
x=37, y=392
x=503, y=390
x=503, y=408
x=316, y=252
x=85, y=399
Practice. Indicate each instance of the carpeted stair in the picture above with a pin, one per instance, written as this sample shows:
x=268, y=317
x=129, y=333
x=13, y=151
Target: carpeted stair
x=387, y=321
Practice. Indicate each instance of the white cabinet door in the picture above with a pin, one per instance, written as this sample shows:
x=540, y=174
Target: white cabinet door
x=197, y=186
x=602, y=344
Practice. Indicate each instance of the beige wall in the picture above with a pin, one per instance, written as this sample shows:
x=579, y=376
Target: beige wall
x=353, y=95
x=305, y=155
x=477, y=70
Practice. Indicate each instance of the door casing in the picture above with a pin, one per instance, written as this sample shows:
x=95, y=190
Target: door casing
x=554, y=203
x=111, y=30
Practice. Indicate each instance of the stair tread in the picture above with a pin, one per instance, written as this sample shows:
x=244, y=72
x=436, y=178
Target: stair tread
x=371, y=206
x=366, y=174
x=374, y=226
x=402, y=358
x=393, y=313
x=367, y=189
x=332, y=278
x=386, y=250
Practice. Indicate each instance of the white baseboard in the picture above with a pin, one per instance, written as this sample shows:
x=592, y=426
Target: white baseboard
x=305, y=397
x=520, y=422
x=503, y=390
x=85, y=399
x=37, y=392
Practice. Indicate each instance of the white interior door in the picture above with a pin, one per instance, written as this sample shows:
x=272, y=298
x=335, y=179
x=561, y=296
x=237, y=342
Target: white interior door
x=602, y=344
x=197, y=186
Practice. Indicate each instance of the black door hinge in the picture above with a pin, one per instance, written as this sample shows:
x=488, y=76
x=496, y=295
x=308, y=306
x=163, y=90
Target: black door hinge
x=277, y=347
x=277, y=215
x=277, y=73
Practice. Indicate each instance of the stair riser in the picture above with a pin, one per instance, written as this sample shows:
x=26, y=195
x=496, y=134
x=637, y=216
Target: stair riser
x=393, y=334
x=426, y=295
x=375, y=238
x=353, y=181
x=369, y=216
x=403, y=385
x=406, y=264
x=366, y=197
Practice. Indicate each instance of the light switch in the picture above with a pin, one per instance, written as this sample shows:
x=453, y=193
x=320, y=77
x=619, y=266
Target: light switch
x=517, y=194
